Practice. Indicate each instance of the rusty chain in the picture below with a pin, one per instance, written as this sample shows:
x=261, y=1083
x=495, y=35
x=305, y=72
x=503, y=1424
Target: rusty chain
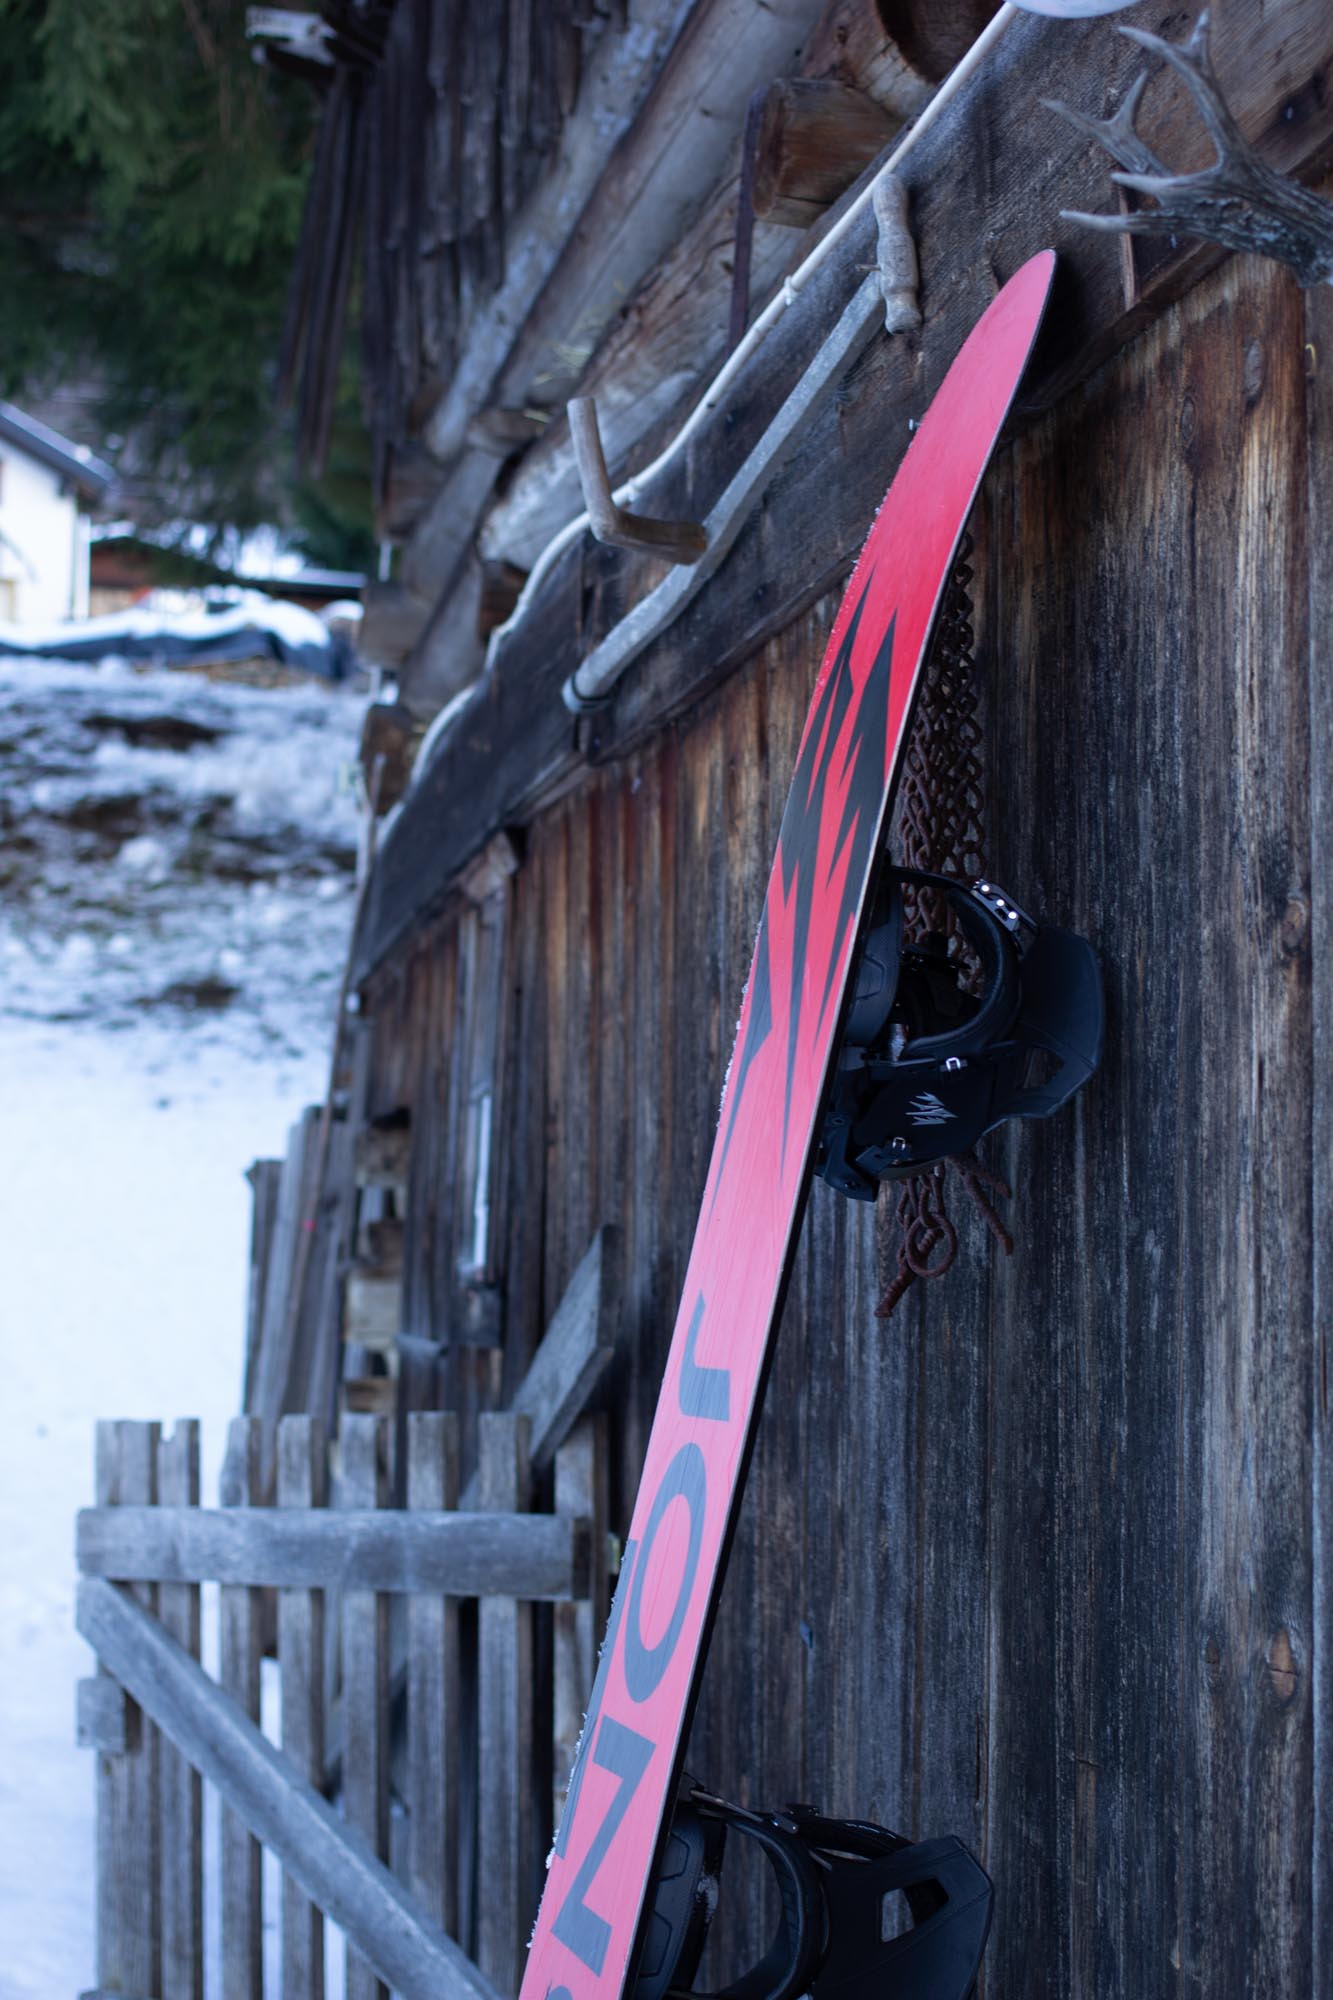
x=942, y=830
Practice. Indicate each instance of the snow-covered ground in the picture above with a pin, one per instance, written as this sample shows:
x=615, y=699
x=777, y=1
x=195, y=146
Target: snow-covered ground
x=176, y=877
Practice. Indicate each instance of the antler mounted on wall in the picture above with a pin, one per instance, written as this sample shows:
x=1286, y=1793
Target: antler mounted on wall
x=1239, y=201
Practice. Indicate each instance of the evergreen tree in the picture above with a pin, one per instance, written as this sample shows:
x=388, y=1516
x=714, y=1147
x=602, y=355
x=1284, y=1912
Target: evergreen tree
x=151, y=183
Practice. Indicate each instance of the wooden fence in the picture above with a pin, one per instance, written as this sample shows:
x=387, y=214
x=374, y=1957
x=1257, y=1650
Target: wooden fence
x=444, y=1774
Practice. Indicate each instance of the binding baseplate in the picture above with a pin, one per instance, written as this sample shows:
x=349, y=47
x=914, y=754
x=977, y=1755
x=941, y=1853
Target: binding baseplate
x=865, y=1914
x=925, y=1066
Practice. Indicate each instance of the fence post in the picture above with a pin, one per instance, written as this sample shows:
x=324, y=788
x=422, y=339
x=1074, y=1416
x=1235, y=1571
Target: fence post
x=301, y=1483
x=365, y=1678
x=180, y=1788
x=129, y=1909
x=433, y=1714
x=241, y=1612
x=581, y=1488
x=508, y=1859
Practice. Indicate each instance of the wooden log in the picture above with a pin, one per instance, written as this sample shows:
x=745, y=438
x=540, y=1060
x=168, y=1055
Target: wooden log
x=934, y=34
x=507, y=750
x=365, y=1685
x=582, y=1476
x=301, y=1485
x=508, y=1843
x=849, y=42
x=327, y=1860
x=129, y=1908
x=815, y=137
x=463, y=1554
x=665, y=165
x=240, y=1650
x=180, y=1789
x=434, y=1716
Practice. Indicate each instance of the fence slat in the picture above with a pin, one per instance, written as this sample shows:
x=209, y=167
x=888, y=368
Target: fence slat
x=443, y=1554
x=331, y=1864
x=129, y=1927
x=180, y=1790
x=240, y=1615
x=301, y=1483
x=365, y=1691
x=433, y=1717
x=508, y=1860
x=581, y=1488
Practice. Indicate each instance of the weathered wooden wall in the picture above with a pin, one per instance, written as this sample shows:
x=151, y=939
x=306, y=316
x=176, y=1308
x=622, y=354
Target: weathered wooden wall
x=1040, y=1560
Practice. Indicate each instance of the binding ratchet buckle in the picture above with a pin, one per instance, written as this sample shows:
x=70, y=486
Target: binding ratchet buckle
x=865, y=1914
x=926, y=1065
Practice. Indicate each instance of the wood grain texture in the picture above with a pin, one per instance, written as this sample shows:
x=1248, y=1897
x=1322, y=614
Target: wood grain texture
x=180, y=1791
x=434, y=1707
x=301, y=1483
x=129, y=1898
x=330, y=1864
x=511, y=748
x=510, y=1823
x=581, y=1482
x=1317, y=356
x=465, y=1554
x=1044, y=1559
x=365, y=1680
x=240, y=1652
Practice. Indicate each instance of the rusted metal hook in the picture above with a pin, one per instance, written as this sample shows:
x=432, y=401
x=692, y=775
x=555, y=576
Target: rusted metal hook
x=683, y=541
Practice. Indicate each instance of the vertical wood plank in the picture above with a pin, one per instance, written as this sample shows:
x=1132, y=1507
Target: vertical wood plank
x=180, y=1788
x=508, y=1840
x=240, y=1615
x=433, y=1712
x=129, y=1909
x=365, y=1685
x=302, y=1482
x=1317, y=355
x=581, y=1488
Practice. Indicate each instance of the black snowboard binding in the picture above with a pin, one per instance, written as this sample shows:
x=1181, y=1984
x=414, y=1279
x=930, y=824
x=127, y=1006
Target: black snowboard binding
x=840, y=1883
x=925, y=1067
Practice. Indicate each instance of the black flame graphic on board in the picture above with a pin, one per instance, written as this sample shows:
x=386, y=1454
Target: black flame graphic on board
x=833, y=810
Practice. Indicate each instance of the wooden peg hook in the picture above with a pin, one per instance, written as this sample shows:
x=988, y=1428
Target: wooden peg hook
x=683, y=541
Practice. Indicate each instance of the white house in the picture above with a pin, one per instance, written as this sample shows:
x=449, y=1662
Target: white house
x=46, y=486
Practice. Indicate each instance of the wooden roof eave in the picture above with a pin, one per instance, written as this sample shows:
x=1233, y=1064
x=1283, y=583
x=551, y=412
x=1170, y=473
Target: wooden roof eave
x=605, y=214
x=511, y=746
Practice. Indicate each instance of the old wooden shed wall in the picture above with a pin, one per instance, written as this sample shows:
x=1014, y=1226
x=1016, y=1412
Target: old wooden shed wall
x=1043, y=1560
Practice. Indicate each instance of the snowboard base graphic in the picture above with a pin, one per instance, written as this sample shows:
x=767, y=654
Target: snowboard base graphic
x=624, y=1783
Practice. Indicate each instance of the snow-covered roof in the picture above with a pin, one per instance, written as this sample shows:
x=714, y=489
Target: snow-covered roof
x=87, y=474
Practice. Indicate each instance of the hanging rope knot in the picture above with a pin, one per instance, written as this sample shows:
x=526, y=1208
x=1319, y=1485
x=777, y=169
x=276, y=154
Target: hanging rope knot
x=928, y=1237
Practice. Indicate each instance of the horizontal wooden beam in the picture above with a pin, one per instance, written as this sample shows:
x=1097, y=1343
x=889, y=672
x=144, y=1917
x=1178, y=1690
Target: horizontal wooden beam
x=987, y=184
x=328, y=1861
x=539, y=1556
